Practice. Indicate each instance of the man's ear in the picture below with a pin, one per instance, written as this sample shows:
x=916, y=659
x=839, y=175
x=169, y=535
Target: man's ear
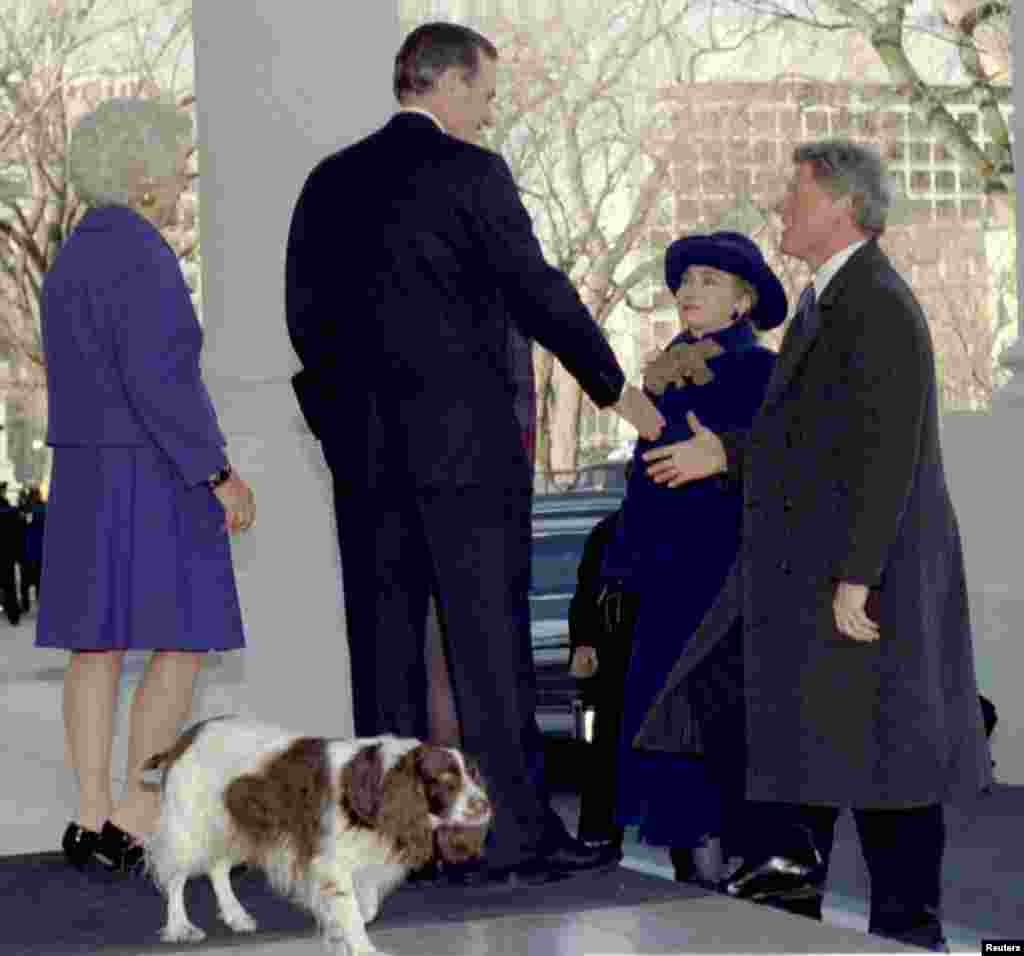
x=448, y=82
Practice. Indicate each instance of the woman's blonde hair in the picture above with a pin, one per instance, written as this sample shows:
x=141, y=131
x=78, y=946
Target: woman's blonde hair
x=121, y=142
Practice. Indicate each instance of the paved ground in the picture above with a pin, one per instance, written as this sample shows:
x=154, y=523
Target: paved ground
x=984, y=872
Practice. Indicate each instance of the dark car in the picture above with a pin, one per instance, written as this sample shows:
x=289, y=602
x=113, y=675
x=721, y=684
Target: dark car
x=561, y=523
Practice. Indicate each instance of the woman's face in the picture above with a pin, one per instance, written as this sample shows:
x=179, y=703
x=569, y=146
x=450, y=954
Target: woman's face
x=707, y=300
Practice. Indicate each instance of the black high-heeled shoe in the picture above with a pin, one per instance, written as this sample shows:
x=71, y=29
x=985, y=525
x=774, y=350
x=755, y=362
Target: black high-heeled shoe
x=78, y=845
x=118, y=851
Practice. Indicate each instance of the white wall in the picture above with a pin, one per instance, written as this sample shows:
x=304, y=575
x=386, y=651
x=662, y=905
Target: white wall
x=278, y=87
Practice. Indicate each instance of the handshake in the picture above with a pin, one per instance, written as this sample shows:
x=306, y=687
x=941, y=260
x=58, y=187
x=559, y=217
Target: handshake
x=637, y=409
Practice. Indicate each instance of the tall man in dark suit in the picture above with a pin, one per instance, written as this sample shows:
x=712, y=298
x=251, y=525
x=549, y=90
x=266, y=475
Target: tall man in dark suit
x=850, y=584
x=410, y=254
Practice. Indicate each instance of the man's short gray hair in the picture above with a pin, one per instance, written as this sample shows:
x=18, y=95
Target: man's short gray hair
x=852, y=169
x=433, y=48
x=122, y=140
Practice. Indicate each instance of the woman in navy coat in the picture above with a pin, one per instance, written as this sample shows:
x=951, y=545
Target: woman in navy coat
x=141, y=493
x=673, y=547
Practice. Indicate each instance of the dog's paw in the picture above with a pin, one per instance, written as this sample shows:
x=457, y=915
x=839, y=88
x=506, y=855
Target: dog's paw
x=182, y=933
x=239, y=920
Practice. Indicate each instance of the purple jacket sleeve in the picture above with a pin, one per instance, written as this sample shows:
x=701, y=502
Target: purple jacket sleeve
x=157, y=341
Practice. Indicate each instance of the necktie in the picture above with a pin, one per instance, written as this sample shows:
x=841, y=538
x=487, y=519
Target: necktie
x=806, y=318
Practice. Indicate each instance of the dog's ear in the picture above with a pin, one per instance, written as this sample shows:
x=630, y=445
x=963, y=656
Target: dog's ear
x=362, y=783
x=432, y=762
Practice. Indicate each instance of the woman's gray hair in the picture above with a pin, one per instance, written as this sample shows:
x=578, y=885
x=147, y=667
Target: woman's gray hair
x=121, y=141
x=852, y=169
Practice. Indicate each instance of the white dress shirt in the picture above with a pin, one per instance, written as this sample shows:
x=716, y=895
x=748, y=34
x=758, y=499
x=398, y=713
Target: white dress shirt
x=827, y=270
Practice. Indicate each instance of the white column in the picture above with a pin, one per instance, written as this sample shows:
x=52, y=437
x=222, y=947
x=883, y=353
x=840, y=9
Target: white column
x=279, y=86
x=985, y=465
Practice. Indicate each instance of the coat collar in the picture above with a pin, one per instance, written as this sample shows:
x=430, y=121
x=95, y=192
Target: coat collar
x=416, y=121
x=104, y=218
x=866, y=259
x=739, y=335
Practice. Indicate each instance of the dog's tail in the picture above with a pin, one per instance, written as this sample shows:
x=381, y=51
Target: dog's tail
x=167, y=758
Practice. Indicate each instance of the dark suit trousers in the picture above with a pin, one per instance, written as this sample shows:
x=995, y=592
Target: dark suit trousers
x=605, y=691
x=471, y=546
x=903, y=852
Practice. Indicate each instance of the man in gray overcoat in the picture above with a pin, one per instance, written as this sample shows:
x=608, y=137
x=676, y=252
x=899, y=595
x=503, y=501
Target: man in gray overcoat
x=857, y=652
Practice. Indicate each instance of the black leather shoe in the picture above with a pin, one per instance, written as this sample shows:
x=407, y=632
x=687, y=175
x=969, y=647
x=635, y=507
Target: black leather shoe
x=78, y=845
x=777, y=878
x=574, y=856
x=535, y=872
x=118, y=851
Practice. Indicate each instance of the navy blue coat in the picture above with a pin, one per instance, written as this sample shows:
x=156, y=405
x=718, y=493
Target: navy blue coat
x=409, y=254
x=673, y=548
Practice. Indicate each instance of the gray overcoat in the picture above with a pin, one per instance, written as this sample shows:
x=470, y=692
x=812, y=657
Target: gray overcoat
x=843, y=479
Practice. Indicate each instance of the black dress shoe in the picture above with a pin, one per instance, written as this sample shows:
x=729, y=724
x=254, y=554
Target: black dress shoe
x=534, y=872
x=118, y=851
x=777, y=878
x=78, y=845
x=574, y=856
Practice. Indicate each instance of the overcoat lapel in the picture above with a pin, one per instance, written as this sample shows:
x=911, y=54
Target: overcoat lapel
x=795, y=345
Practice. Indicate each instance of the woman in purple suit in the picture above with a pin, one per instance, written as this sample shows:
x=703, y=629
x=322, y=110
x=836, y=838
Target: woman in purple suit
x=142, y=494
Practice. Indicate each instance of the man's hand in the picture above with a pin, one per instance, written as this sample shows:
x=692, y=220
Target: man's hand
x=634, y=406
x=238, y=502
x=684, y=461
x=851, y=618
x=584, y=661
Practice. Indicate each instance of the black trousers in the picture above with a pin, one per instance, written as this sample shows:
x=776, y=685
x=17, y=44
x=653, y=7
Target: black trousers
x=605, y=692
x=903, y=851
x=470, y=546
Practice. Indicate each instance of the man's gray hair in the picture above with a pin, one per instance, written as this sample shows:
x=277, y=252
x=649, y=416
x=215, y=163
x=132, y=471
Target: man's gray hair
x=122, y=140
x=852, y=169
x=433, y=48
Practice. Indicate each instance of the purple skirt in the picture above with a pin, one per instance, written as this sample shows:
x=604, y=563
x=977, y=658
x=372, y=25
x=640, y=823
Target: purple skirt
x=132, y=559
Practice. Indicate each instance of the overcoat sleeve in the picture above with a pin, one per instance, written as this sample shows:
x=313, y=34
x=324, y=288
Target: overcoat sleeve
x=157, y=343
x=544, y=303
x=887, y=369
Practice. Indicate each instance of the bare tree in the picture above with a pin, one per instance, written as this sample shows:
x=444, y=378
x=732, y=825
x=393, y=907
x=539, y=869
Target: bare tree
x=978, y=33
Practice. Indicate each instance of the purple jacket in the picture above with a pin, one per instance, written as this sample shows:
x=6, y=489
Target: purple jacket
x=122, y=346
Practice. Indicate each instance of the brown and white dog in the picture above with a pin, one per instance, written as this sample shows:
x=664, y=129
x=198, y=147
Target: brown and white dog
x=335, y=824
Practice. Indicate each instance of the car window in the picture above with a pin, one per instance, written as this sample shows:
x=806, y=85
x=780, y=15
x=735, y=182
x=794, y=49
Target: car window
x=556, y=558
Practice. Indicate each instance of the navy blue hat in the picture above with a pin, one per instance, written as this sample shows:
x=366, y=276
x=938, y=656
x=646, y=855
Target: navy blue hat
x=735, y=253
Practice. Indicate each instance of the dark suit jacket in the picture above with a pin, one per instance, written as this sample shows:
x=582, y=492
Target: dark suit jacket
x=409, y=254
